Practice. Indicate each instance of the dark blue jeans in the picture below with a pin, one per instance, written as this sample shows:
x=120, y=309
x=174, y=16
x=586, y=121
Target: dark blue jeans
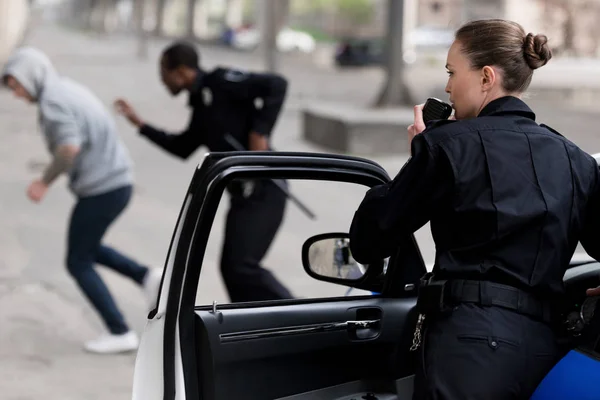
x=90, y=220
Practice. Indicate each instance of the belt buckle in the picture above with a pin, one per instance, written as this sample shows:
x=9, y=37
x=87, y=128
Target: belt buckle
x=432, y=295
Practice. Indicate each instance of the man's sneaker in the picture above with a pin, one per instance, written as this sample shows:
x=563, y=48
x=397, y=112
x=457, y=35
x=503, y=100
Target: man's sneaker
x=151, y=287
x=112, y=344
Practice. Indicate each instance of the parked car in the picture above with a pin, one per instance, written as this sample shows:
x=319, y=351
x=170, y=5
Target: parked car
x=326, y=348
x=427, y=42
x=360, y=52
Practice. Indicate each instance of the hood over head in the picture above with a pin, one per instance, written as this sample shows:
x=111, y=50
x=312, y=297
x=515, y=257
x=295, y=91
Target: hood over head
x=31, y=68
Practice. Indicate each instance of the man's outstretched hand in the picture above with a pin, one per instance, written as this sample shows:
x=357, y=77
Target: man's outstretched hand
x=37, y=190
x=126, y=110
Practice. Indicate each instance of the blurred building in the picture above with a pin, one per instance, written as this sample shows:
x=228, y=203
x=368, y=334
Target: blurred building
x=453, y=13
x=571, y=25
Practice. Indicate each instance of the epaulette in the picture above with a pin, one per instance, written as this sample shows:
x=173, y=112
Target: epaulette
x=551, y=130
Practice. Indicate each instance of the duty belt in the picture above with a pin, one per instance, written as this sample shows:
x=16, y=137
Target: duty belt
x=440, y=295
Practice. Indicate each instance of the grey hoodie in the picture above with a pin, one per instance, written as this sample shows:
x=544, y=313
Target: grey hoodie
x=71, y=114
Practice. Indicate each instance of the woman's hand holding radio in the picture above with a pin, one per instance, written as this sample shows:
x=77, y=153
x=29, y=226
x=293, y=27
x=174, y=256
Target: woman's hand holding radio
x=418, y=126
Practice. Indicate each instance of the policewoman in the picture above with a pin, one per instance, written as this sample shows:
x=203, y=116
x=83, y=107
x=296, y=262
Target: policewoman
x=507, y=200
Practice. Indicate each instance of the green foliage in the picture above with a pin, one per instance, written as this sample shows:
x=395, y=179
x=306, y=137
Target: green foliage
x=304, y=6
x=356, y=11
x=318, y=34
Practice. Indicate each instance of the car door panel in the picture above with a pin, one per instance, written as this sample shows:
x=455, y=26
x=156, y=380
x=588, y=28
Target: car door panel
x=270, y=350
x=278, y=351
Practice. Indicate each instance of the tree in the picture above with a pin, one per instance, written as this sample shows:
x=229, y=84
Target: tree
x=234, y=13
x=594, y=32
x=356, y=12
x=161, y=6
x=394, y=91
x=566, y=8
x=139, y=11
x=274, y=17
x=80, y=12
x=90, y=17
x=191, y=19
x=568, y=14
x=101, y=14
x=282, y=13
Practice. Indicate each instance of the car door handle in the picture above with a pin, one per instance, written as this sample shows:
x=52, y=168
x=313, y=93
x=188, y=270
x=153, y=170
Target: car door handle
x=364, y=329
x=350, y=325
x=371, y=323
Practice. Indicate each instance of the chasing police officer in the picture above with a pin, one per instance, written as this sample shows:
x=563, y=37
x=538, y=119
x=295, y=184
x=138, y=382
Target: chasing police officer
x=508, y=200
x=228, y=102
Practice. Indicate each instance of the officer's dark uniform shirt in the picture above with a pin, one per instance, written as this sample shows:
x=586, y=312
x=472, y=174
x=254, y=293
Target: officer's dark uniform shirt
x=508, y=200
x=224, y=102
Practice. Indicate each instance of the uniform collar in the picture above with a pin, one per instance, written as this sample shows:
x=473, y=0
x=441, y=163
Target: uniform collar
x=508, y=105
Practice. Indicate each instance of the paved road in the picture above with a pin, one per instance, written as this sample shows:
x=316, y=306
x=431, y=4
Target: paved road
x=44, y=318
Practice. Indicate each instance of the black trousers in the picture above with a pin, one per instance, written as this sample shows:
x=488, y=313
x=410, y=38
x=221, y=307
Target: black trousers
x=252, y=223
x=483, y=353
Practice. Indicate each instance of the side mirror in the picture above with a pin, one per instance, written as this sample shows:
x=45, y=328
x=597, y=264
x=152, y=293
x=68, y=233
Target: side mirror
x=327, y=257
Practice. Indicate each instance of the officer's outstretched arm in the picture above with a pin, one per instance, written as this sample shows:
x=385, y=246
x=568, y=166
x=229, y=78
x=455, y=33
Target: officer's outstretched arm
x=590, y=238
x=181, y=145
x=395, y=210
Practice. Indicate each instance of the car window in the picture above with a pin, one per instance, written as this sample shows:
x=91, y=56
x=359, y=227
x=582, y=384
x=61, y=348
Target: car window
x=334, y=204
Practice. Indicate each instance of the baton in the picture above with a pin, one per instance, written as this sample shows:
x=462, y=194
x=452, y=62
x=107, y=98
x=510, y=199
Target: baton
x=237, y=145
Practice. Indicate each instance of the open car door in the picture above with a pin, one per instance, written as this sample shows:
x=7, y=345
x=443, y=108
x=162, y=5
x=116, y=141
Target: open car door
x=326, y=348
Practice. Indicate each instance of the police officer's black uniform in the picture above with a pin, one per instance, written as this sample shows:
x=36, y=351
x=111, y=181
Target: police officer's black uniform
x=508, y=201
x=224, y=102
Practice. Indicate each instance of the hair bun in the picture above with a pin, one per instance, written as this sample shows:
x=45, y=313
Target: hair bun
x=536, y=50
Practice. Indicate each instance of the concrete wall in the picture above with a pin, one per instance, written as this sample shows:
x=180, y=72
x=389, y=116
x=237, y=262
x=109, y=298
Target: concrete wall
x=13, y=21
